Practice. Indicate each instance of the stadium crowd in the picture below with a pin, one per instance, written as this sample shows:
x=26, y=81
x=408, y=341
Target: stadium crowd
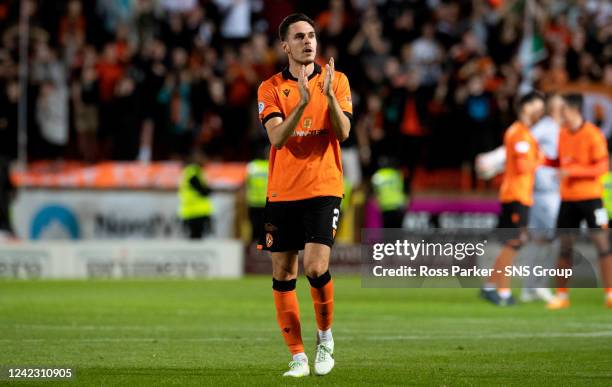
x=433, y=81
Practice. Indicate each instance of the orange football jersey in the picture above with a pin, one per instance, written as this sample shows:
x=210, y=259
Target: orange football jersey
x=581, y=148
x=310, y=163
x=520, y=145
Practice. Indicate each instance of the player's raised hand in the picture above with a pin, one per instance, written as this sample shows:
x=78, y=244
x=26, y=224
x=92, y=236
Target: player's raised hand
x=328, y=88
x=303, y=86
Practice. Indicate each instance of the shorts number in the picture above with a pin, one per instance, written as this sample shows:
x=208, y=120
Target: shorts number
x=335, y=219
x=601, y=216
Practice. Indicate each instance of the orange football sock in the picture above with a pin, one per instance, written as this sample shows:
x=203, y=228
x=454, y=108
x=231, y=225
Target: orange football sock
x=323, y=300
x=288, y=317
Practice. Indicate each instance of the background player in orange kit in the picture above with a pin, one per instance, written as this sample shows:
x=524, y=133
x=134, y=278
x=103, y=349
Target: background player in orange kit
x=583, y=159
x=516, y=193
x=306, y=111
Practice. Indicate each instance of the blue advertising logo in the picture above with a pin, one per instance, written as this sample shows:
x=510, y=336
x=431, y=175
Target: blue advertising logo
x=55, y=216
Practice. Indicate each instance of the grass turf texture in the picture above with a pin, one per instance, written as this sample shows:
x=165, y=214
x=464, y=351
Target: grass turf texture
x=177, y=332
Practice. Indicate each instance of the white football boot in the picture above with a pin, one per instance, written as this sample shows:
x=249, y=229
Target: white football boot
x=324, y=358
x=298, y=368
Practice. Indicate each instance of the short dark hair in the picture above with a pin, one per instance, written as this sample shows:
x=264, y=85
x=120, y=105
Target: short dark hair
x=283, y=28
x=573, y=100
x=527, y=98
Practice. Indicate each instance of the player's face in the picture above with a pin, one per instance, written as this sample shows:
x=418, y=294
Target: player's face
x=538, y=110
x=569, y=115
x=301, y=43
x=555, y=105
x=533, y=111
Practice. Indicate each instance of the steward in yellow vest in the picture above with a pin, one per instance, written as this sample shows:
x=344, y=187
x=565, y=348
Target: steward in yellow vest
x=195, y=208
x=388, y=184
x=256, y=192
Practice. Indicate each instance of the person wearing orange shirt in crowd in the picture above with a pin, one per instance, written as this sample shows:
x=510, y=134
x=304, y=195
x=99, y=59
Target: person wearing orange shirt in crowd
x=583, y=159
x=307, y=112
x=516, y=194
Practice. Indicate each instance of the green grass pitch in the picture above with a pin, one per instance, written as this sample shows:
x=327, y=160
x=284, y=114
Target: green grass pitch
x=223, y=333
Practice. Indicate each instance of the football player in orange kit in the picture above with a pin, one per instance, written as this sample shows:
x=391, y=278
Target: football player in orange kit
x=307, y=112
x=516, y=193
x=583, y=159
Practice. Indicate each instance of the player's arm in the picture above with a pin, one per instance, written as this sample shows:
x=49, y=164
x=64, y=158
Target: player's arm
x=592, y=171
x=280, y=130
x=599, y=164
x=196, y=184
x=341, y=123
x=489, y=164
x=523, y=163
x=554, y=163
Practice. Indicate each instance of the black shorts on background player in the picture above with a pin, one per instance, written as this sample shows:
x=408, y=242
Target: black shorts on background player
x=571, y=214
x=513, y=215
x=288, y=226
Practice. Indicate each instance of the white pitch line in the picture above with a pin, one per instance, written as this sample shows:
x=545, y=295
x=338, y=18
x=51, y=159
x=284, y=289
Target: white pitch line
x=135, y=339
x=347, y=329
x=536, y=335
x=516, y=335
x=91, y=327
x=119, y=327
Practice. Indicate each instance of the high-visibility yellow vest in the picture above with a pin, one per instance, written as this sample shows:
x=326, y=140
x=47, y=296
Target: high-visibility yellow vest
x=346, y=200
x=257, y=183
x=606, y=180
x=191, y=203
x=388, y=185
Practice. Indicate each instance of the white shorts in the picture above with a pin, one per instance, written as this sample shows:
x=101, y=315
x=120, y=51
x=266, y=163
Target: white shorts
x=543, y=214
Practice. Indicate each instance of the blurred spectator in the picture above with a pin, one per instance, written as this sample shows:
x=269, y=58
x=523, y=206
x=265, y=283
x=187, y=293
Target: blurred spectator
x=425, y=56
x=85, y=100
x=409, y=101
x=72, y=30
x=404, y=30
x=236, y=18
x=37, y=33
x=9, y=98
x=334, y=24
x=212, y=121
x=52, y=117
x=109, y=72
x=126, y=141
x=175, y=95
x=46, y=66
x=479, y=119
x=369, y=39
x=424, y=74
x=174, y=33
x=178, y=6
x=146, y=22
x=373, y=142
x=115, y=12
